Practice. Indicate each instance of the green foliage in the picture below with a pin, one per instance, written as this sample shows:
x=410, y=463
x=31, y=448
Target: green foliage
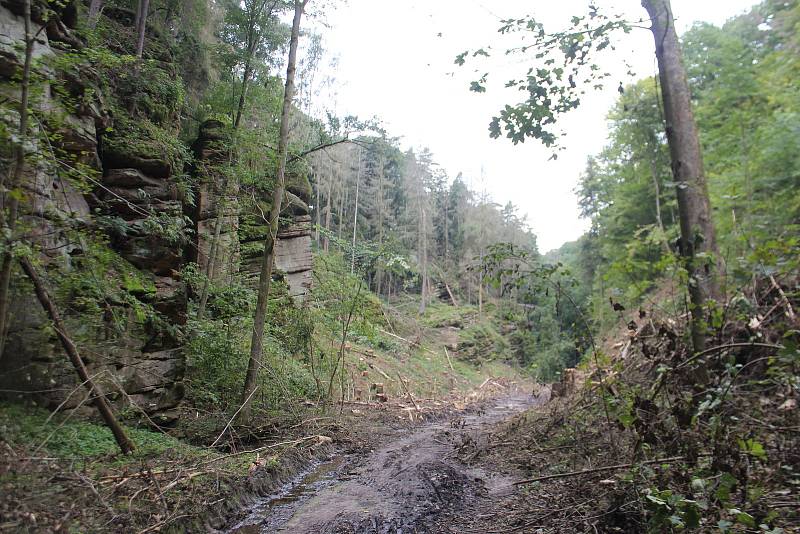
x=562, y=66
x=482, y=342
x=100, y=285
x=218, y=349
x=217, y=356
x=143, y=139
x=337, y=291
x=673, y=511
x=553, y=326
x=747, y=116
x=65, y=436
x=440, y=315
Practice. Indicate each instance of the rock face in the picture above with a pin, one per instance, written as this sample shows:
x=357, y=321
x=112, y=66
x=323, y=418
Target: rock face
x=136, y=196
x=293, y=250
x=134, y=362
x=293, y=258
x=216, y=210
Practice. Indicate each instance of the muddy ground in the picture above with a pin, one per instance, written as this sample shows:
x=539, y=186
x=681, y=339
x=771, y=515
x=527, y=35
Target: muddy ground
x=412, y=481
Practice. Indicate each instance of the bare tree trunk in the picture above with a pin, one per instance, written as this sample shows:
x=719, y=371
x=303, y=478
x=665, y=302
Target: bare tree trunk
x=94, y=13
x=317, y=207
x=424, y=261
x=379, y=271
x=211, y=260
x=98, y=398
x=138, y=17
x=253, y=38
x=657, y=187
x=480, y=288
x=468, y=283
x=144, y=6
x=243, y=93
x=355, y=216
x=10, y=202
x=265, y=277
x=446, y=230
x=342, y=195
x=326, y=241
x=698, y=244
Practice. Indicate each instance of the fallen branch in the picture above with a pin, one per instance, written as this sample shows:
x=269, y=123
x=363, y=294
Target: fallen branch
x=99, y=399
x=379, y=371
x=409, y=341
x=410, y=396
x=320, y=438
x=597, y=470
x=230, y=421
x=449, y=361
x=728, y=346
x=784, y=300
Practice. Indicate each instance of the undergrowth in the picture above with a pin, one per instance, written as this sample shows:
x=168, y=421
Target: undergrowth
x=705, y=442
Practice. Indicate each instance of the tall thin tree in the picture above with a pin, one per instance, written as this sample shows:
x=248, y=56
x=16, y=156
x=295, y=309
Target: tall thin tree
x=141, y=26
x=94, y=13
x=698, y=244
x=355, y=216
x=268, y=259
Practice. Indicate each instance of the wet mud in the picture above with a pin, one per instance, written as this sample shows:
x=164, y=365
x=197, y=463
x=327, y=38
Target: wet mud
x=402, y=486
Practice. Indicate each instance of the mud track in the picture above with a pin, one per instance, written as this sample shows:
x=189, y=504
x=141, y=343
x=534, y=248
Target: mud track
x=406, y=485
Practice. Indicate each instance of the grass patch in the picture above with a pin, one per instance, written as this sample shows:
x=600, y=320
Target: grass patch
x=69, y=437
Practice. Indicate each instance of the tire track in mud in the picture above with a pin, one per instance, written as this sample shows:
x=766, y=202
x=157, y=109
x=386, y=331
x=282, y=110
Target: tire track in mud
x=401, y=486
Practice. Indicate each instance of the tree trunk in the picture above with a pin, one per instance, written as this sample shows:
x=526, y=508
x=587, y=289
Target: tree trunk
x=94, y=13
x=317, y=214
x=480, y=289
x=424, y=261
x=355, y=217
x=265, y=277
x=243, y=93
x=342, y=196
x=211, y=260
x=657, y=187
x=253, y=38
x=326, y=241
x=98, y=398
x=446, y=230
x=379, y=271
x=10, y=202
x=144, y=5
x=698, y=245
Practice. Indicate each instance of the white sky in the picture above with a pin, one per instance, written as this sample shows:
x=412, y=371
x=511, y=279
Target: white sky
x=393, y=64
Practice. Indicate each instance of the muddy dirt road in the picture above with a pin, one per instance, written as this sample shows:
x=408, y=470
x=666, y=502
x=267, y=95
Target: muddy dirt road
x=407, y=485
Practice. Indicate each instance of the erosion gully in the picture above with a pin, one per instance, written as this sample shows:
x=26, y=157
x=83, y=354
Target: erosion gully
x=407, y=485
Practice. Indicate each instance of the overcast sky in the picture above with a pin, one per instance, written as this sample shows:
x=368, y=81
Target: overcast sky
x=394, y=60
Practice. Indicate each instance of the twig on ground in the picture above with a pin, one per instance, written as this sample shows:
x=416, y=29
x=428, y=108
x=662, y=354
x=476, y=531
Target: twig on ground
x=230, y=421
x=597, y=470
x=410, y=396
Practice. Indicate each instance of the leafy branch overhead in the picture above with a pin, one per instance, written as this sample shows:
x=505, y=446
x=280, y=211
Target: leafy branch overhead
x=563, y=68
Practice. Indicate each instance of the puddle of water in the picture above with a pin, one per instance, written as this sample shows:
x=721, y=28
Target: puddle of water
x=278, y=508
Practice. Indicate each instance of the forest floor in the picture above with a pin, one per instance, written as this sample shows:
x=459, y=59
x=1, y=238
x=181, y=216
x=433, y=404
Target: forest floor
x=397, y=458
x=404, y=484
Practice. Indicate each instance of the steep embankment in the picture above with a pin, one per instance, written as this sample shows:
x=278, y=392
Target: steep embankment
x=661, y=440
